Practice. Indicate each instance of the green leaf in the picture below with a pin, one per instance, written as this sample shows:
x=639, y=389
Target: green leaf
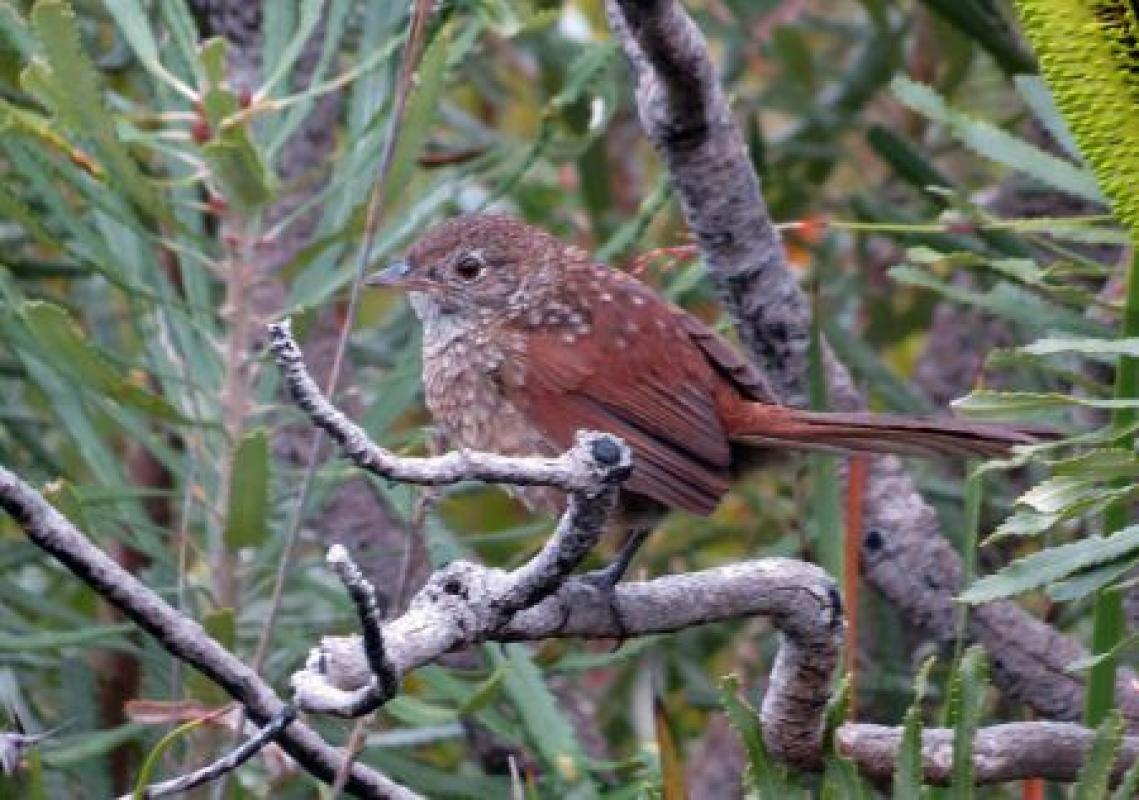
x=1084, y=346
x=484, y=693
x=246, y=520
x=1125, y=645
x=1039, y=569
x=549, y=730
x=71, y=79
x=134, y=22
x=989, y=404
x=1080, y=586
x=154, y=758
x=1128, y=787
x=1095, y=774
x=105, y=636
x=910, y=774
x=1008, y=300
x=70, y=352
x=238, y=167
x=966, y=700
x=997, y=144
x=762, y=775
x=983, y=23
x=419, y=114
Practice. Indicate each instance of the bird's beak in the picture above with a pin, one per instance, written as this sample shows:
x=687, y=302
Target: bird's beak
x=394, y=275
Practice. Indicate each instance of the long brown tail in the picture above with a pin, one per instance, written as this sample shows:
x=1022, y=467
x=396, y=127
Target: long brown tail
x=778, y=426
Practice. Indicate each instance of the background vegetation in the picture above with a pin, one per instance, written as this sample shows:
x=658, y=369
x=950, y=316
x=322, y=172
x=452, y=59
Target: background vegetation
x=163, y=198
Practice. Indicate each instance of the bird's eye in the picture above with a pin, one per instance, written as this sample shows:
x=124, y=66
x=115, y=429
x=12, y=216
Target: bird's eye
x=469, y=267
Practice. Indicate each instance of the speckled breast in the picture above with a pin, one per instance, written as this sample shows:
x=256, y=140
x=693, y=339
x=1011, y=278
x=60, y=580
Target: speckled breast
x=462, y=392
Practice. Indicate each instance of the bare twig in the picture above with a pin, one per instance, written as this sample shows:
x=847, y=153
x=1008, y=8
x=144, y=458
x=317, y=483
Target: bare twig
x=1014, y=751
x=52, y=532
x=227, y=763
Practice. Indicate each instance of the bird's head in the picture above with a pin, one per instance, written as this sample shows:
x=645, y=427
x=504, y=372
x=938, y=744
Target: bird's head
x=472, y=269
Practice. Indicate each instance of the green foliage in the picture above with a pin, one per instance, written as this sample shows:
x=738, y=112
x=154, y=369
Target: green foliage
x=148, y=197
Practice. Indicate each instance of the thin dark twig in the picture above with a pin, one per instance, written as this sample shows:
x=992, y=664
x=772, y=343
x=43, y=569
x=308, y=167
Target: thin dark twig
x=227, y=763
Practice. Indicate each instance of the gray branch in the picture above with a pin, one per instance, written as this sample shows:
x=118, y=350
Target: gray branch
x=461, y=605
x=581, y=469
x=1054, y=751
x=684, y=113
x=52, y=532
x=466, y=603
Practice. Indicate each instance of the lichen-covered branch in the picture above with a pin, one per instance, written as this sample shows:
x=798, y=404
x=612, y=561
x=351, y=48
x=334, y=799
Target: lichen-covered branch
x=460, y=606
x=1054, y=751
x=684, y=112
x=465, y=603
x=52, y=532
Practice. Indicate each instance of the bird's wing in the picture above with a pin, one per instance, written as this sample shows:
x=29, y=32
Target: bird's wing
x=637, y=375
x=745, y=376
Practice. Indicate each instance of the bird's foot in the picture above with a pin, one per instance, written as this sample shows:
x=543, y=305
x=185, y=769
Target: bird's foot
x=606, y=578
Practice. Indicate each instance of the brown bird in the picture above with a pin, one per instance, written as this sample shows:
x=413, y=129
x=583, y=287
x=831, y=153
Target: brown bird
x=527, y=340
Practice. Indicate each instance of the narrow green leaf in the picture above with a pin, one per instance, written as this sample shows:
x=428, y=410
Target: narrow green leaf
x=909, y=773
x=70, y=352
x=309, y=17
x=983, y=23
x=762, y=775
x=1039, y=569
x=1080, y=586
x=154, y=758
x=105, y=636
x=78, y=101
x=997, y=144
x=134, y=22
x=1095, y=774
x=484, y=693
x=1084, y=346
x=548, y=729
x=247, y=518
x=989, y=404
x=966, y=698
x=1128, y=787
x=1005, y=299
x=419, y=114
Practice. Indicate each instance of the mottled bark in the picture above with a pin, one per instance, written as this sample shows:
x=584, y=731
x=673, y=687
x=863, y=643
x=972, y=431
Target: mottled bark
x=684, y=113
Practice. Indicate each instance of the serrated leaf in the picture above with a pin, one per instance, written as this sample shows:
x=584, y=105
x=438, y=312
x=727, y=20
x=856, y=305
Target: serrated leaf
x=1040, y=569
x=909, y=774
x=547, y=727
x=1095, y=775
x=1005, y=299
x=966, y=700
x=78, y=101
x=762, y=775
x=996, y=144
x=246, y=521
x=64, y=345
x=1080, y=586
x=989, y=404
